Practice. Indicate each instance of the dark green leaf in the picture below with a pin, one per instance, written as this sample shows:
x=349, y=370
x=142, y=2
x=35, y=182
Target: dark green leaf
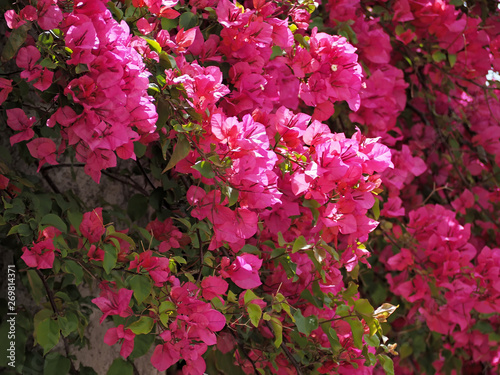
x=55, y=363
x=205, y=168
x=70, y=266
x=187, y=20
x=55, y=221
x=386, y=363
x=68, y=323
x=22, y=229
x=16, y=39
x=305, y=325
x=363, y=307
x=75, y=218
x=47, y=334
x=36, y=286
x=110, y=257
x=120, y=367
x=141, y=285
x=357, y=331
x=300, y=243
x=137, y=207
x=181, y=150
x=142, y=343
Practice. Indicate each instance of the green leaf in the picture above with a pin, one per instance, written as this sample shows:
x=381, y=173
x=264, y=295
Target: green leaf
x=142, y=343
x=155, y=46
x=187, y=20
x=233, y=196
x=301, y=40
x=205, y=168
x=305, y=325
x=85, y=370
x=281, y=240
x=376, y=209
x=75, y=218
x=137, y=206
x=143, y=326
x=168, y=24
x=36, y=286
x=452, y=58
x=110, y=257
x=250, y=296
x=55, y=363
x=48, y=63
x=386, y=363
x=70, y=266
x=363, y=307
x=301, y=340
x=255, y=313
x=373, y=340
x=438, y=56
x=120, y=367
x=278, y=331
x=141, y=285
x=405, y=350
x=47, y=334
x=117, y=12
x=167, y=306
x=300, y=243
x=68, y=323
x=332, y=336
x=16, y=39
x=55, y=221
x=22, y=229
x=357, y=331
x=139, y=149
x=181, y=150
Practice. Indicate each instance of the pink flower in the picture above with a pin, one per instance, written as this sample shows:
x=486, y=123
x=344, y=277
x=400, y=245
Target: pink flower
x=400, y=261
x=163, y=356
x=158, y=268
x=95, y=253
x=17, y=120
x=166, y=232
x=49, y=14
x=213, y=286
x=112, y=303
x=244, y=271
x=92, y=226
x=13, y=19
x=5, y=89
x=41, y=255
x=43, y=149
x=115, y=334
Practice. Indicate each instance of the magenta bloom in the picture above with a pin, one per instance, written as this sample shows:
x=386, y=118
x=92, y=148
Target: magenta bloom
x=115, y=334
x=244, y=271
x=112, y=303
x=92, y=226
x=40, y=256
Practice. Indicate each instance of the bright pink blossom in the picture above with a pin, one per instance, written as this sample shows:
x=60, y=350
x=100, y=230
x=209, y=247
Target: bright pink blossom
x=126, y=336
x=92, y=226
x=114, y=303
x=244, y=271
x=41, y=255
x=43, y=149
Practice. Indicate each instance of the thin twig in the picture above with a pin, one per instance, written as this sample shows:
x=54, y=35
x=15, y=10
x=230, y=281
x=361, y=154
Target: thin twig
x=145, y=174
